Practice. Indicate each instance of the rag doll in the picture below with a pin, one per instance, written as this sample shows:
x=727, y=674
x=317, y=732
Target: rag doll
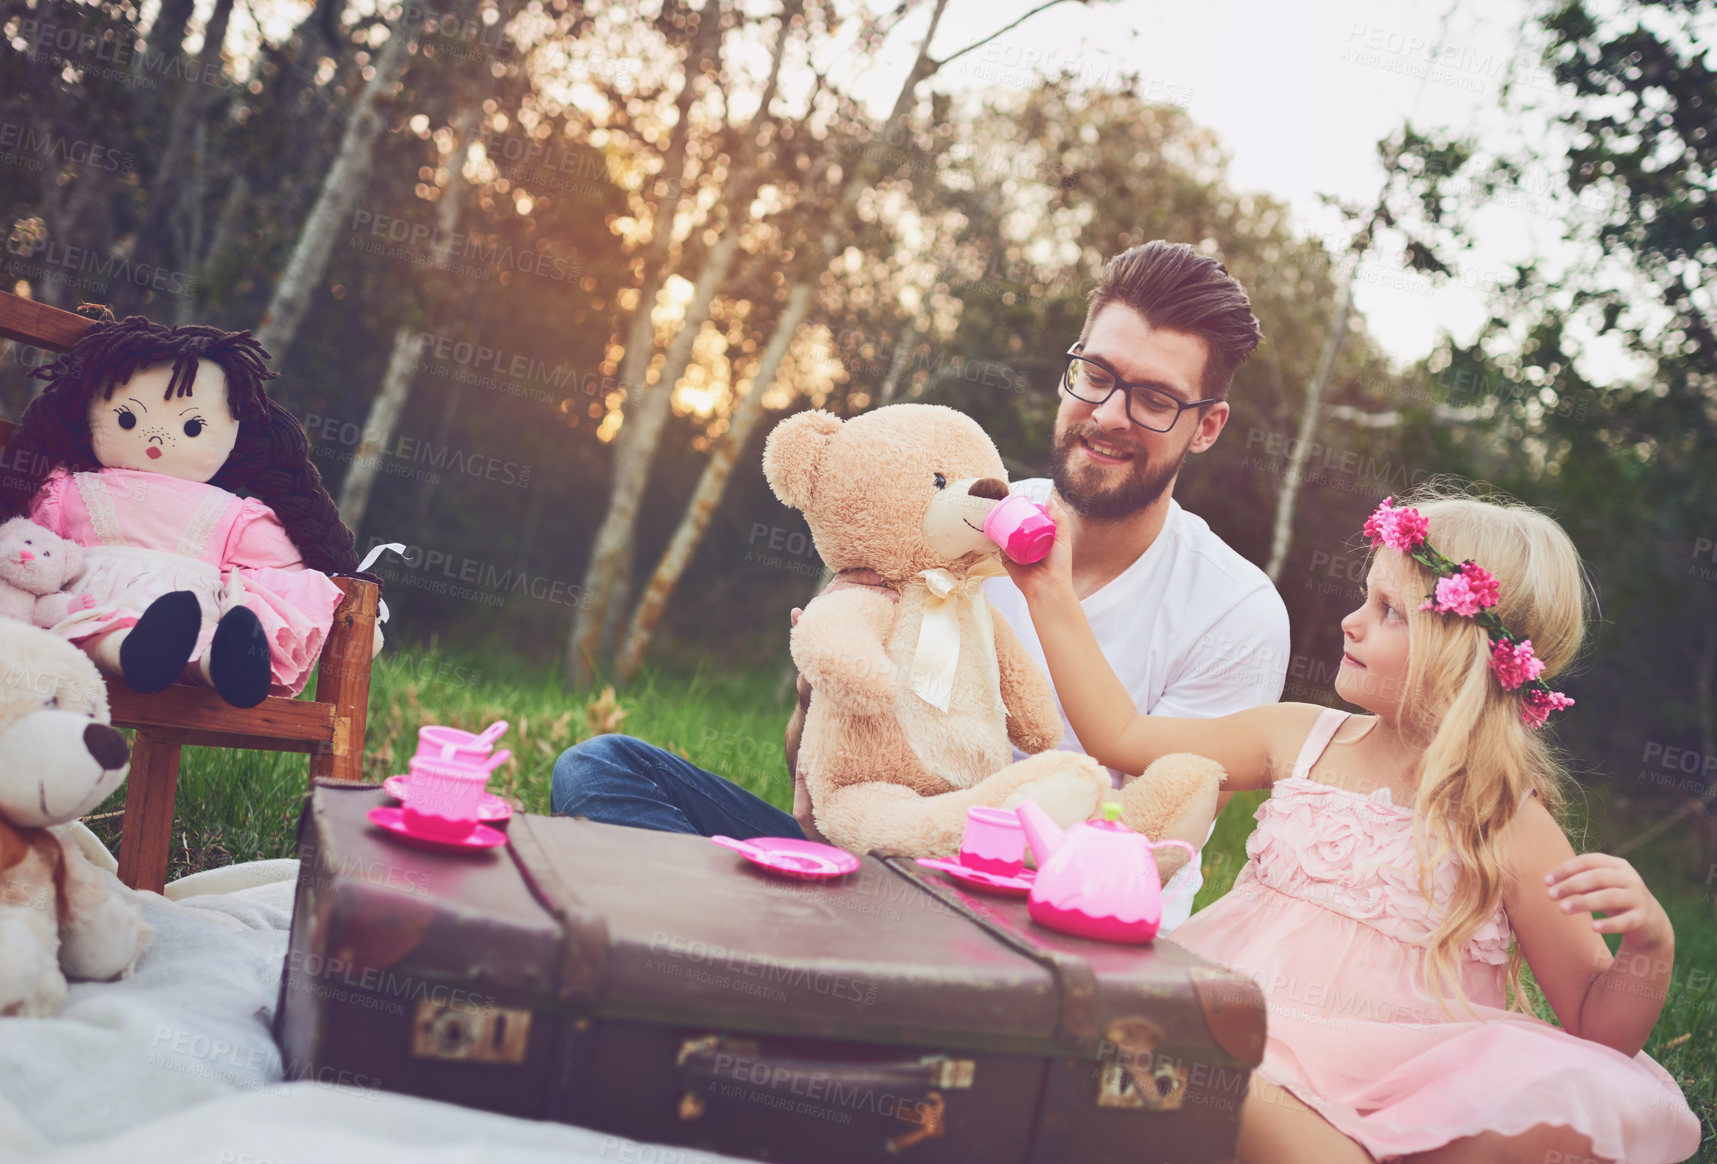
x=207, y=535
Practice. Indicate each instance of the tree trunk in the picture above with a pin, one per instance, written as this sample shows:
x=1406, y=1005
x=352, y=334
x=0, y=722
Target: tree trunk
x=340, y=190
x=608, y=578
x=166, y=36
x=407, y=352
x=712, y=484
x=603, y=597
x=1289, y=495
x=172, y=192
x=897, y=368
x=220, y=241
x=589, y=638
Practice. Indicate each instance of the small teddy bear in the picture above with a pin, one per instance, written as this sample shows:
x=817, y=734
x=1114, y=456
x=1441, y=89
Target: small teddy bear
x=920, y=696
x=36, y=566
x=60, y=916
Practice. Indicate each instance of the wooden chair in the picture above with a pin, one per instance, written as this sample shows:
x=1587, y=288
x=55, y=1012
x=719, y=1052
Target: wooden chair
x=330, y=728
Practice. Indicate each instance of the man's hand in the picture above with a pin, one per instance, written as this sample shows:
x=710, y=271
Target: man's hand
x=1055, y=569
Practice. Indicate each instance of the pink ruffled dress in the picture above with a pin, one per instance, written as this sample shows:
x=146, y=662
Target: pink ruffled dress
x=1327, y=918
x=146, y=534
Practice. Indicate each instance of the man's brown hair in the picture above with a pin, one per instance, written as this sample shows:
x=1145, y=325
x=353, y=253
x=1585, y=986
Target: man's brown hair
x=1174, y=287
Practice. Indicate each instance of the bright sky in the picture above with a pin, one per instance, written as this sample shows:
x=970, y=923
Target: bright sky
x=1300, y=93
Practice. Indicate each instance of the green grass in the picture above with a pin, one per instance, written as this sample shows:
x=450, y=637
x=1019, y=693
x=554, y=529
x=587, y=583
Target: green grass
x=243, y=806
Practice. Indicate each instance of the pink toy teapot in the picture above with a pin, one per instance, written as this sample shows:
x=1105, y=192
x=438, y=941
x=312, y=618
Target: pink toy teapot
x=1096, y=880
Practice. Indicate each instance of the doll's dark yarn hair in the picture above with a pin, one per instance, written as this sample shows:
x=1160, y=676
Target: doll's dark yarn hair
x=270, y=461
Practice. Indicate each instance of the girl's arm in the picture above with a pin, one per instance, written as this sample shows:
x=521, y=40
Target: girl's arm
x=1251, y=745
x=1550, y=894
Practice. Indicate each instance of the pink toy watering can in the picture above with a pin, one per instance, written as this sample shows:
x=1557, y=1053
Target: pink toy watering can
x=1096, y=880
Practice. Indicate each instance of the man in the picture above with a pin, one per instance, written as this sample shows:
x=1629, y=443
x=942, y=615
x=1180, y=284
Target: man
x=1190, y=627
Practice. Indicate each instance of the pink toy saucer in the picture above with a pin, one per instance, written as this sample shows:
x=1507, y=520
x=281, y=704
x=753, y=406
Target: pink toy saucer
x=480, y=837
x=807, y=860
x=1017, y=886
x=491, y=808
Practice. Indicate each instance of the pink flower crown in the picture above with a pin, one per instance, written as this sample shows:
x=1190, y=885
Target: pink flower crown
x=1470, y=591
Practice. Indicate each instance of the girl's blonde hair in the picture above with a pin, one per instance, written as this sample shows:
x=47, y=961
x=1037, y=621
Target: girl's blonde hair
x=1480, y=759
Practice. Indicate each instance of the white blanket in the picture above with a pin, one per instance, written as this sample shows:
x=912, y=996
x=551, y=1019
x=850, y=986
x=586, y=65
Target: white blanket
x=176, y=1064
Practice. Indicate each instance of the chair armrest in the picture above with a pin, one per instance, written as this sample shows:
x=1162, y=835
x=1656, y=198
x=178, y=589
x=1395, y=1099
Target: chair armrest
x=343, y=675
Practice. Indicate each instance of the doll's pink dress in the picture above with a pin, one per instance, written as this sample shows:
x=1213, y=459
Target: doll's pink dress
x=1327, y=918
x=146, y=534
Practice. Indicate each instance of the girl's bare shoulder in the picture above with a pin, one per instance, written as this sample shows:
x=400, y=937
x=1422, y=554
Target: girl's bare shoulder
x=1275, y=733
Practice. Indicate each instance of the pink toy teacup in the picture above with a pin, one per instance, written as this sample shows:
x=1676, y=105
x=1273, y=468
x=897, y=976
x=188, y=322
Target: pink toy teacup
x=450, y=743
x=994, y=842
x=442, y=797
x=1021, y=527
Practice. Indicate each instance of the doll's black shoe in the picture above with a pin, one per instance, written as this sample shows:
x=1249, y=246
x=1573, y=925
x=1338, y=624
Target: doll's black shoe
x=156, y=650
x=240, y=662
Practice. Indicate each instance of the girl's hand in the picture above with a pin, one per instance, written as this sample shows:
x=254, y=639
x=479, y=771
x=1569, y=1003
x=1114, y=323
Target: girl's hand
x=1055, y=569
x=1594, y=882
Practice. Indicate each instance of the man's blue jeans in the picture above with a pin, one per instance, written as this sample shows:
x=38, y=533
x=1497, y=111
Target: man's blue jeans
x=620, y=780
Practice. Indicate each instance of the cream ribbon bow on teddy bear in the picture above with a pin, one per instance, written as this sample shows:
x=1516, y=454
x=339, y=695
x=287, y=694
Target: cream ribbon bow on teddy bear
x=936, y=657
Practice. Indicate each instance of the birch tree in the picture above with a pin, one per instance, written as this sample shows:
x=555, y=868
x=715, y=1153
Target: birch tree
x=340, y=190
x=1423, y=165
x=176, y=191
x=406, y=353
x=824, y=244
x=608, y=577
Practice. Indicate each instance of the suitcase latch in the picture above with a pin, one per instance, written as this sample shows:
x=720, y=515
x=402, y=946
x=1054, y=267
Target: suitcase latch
x=1132, y=1074
x=927, y=1115
x=470, y=1034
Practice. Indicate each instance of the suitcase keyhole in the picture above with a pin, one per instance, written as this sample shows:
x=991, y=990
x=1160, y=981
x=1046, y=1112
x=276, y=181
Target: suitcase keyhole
x=453, y=1033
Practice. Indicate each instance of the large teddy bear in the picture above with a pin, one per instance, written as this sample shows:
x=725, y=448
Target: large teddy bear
x=60, y=915
x=916, y=699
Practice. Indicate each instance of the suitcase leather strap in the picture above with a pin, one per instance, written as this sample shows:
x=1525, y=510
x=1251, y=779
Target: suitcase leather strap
x=584, y=935
x=1076, y=1023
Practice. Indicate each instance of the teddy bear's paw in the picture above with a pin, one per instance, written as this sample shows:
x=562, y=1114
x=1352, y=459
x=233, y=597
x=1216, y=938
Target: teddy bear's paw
x=105, y=932
x=1068, y=795
x=1034, y=740
x=1175, y=796
x=30, y=978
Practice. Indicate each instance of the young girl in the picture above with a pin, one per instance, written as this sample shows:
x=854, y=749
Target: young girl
x=1407, y=859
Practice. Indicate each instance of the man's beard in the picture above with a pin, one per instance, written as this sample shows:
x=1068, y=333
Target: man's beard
x=1144, y=484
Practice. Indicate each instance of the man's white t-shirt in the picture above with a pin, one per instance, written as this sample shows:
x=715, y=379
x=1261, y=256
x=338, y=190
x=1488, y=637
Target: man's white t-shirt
x=1191, y=628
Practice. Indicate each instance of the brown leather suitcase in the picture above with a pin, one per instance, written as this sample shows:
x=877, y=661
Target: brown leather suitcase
x=656, y=986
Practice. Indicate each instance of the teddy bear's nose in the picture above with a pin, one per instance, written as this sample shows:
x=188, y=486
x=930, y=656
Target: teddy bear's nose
x=26, y=556
x=106, y=745
x=993, y=488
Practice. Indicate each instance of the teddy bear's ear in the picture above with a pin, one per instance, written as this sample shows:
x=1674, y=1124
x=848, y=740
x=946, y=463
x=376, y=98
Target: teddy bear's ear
x=794, y=450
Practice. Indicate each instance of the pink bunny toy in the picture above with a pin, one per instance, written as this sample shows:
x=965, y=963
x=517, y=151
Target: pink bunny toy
x=36, y=566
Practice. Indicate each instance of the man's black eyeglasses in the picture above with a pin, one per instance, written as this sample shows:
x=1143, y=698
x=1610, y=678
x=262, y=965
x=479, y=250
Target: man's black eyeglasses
x=1147, y=407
